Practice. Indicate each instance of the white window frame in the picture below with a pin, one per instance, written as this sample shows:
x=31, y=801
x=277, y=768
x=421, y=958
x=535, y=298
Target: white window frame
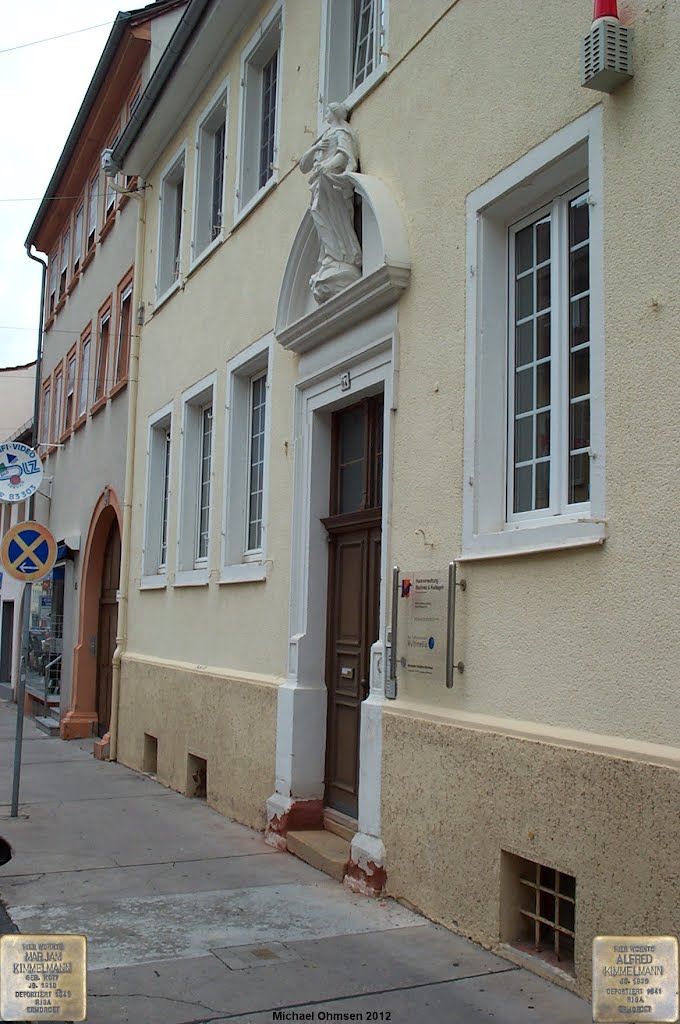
x=568, y=157
x=335, y=71
x=168, y=277
x=154, y=571
x=204, y=176
x=239, y=565
x=253, y=57
x=191, y=569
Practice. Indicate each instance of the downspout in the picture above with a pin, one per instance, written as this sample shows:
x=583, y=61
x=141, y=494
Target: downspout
x=133, y=388
x=38, y=358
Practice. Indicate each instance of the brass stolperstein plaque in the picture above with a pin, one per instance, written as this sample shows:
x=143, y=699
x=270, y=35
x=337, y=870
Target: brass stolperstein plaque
x=635, y=977
x=43, y=977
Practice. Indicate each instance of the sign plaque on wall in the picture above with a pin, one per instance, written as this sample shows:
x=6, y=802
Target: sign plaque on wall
x=43, y=977
x=423, y=610
x=635, y=977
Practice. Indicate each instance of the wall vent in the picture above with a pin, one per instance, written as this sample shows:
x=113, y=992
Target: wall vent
x=197, y=777
x=606, y=56
x=538, y=910
x=150, y=756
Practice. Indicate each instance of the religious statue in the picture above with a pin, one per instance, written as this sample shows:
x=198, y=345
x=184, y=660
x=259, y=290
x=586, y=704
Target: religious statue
x=332, y=207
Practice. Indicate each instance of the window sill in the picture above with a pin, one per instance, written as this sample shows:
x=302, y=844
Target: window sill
x=244, y=572
x=99, y=404
x=117, y=388
x=529, y=540
x=65, y=436
x=108, y=224
x=208, y=251
x=48, y=449
x=158, y=582
x=357, y=95
x=80, y=422
x=60, y=305
x=74, y=281
x=49, y=321
x=168, y=293
x=88, y=258
x=255, y=200
x=192, y=578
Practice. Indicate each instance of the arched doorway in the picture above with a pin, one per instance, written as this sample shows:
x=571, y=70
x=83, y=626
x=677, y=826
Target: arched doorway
x=108, y=622
x=90, y=710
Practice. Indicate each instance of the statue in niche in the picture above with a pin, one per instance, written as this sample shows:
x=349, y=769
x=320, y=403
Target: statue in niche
x=332, y=207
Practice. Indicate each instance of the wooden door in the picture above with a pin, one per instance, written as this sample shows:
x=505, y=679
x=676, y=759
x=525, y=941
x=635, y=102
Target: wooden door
x=354, y=529
x=108, y=623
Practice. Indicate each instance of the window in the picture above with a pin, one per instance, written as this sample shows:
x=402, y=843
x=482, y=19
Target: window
x=78, y=239
x=84, y=379
x=102, y=352
x=155, y=550
x=135, y=97
x=196, y=483
x=549, y=355
x=247, y=461
x=120, y=369
x=534, y=433
x=260, y=89
x=93, y=200
x=45, y=417
x=539, y=910
x=65, y=254
x=54, y=275
x=352, y=48
x=56, y=407
x=70, y=390
x=209, y=203
x=110, y=195
x=170, y=226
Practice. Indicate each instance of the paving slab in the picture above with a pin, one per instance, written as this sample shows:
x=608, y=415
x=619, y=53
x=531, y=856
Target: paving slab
x=159, y=878
x=183, y=925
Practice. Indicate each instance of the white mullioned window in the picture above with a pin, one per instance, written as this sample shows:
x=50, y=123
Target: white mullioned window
x=255, y=482
x=84, y=384
x=65, y=256
x=247, y=457
x=205, y=469
x=352, y=49
x=534, y=433
x=54, y=277
x=170, y=225
x=259, y=111
x=210, y=174
x=158, y=477
x=78, y=239
x=92, y=207
x=549, y=359
x=70, y=392
x=193, y=542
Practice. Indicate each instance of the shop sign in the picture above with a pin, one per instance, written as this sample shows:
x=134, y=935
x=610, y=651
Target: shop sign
x=21, y=472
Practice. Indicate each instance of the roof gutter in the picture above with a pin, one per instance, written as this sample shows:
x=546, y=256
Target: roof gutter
x=188, y=24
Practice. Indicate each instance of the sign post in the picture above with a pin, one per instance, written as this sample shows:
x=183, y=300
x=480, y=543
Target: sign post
x=28, y=552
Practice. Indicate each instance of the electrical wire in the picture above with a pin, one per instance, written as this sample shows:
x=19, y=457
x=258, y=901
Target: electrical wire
x=49, y=39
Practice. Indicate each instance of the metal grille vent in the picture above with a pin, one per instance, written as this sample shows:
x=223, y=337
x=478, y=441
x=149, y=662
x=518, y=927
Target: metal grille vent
x=606, y=56
x=539, y=910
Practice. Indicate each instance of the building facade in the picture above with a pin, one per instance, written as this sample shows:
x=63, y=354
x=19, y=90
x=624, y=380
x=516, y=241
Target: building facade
x=87, y=226
x=17, y=389
x=457, y=354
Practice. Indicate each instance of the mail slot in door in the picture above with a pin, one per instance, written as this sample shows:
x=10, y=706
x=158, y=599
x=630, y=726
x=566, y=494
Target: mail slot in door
x=347, y=672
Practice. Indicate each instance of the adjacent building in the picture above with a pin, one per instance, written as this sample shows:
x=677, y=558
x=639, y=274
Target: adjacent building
x=87, y=226
x=438, y=356
x=17, y=389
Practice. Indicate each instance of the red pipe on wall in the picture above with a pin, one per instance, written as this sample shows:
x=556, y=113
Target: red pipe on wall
x=605, y=9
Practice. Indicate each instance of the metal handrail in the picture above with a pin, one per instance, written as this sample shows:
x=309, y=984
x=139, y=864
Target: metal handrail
x=46, y=673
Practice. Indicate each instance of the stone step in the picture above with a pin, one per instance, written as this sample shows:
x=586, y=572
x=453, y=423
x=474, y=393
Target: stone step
x=47, y=724
x=321, y=849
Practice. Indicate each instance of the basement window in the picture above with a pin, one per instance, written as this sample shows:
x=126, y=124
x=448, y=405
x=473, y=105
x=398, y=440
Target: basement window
x=538, y=910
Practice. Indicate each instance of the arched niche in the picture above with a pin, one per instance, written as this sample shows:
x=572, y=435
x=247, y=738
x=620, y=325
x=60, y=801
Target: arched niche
x=302, y=324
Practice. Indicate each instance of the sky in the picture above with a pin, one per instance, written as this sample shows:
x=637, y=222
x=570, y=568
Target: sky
x=41, y=89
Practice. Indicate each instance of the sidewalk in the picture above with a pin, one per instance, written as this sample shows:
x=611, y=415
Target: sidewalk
x=191, y=918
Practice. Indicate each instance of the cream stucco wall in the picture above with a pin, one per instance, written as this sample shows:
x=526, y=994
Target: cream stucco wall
x=559, y=647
